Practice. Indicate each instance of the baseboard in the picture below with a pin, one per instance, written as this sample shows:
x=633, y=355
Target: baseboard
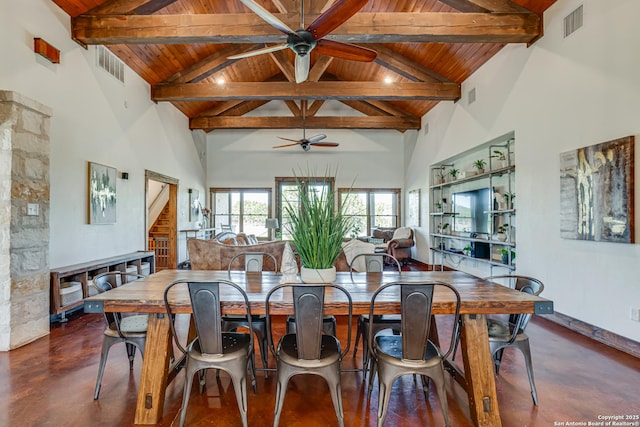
x=594, y=332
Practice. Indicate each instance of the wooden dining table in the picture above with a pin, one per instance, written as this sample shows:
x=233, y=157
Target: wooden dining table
x=478, y=298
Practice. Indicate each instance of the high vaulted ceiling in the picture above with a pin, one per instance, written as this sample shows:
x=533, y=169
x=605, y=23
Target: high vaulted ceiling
x=425, y=50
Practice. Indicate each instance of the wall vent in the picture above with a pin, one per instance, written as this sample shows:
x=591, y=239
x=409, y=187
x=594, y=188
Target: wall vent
x=573, y=21
x=110, y=63
x=471, y=96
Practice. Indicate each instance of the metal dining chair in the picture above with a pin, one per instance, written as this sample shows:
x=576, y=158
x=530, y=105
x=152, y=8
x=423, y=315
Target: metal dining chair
x=213, y=348
x=308, y=351
x=374, y=263
x=130, y=329
x=253, y=262
x=412, y=352
x=511, y=332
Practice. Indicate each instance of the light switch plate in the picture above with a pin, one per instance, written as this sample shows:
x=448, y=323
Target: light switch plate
x=33, y=209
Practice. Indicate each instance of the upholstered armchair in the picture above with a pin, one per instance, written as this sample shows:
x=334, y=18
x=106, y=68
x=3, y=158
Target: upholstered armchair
x=401, y=243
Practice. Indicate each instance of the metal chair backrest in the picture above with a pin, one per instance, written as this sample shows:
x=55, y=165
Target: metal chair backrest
x=104, y=282
x=416, y=302
x=253, y=261
x=308, y=307
x=374, y=263
x=526, y=284
x=207, y=312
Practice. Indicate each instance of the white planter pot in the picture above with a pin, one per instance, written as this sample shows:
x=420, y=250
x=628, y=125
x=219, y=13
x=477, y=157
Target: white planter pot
x=318, y=275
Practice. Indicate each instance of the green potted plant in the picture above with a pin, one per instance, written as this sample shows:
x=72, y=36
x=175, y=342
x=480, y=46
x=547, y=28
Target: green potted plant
x=479, y=165
x=501, y=159
x=445, y=228
x=504, y=255
x=510, y=199
x=317, y=230
x=467, y=250
x=453, y=172
x=501, y=233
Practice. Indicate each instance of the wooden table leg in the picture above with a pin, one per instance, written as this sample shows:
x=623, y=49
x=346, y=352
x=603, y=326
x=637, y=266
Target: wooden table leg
x=155, y=365
x=479, y=371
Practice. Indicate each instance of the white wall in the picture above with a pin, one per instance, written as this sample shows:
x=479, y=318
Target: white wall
x=237, y=158
x=98, y=119
x=559, y=94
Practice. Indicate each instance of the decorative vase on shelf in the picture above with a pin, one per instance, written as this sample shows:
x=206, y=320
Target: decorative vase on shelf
x=318, y=275
x=501, y=237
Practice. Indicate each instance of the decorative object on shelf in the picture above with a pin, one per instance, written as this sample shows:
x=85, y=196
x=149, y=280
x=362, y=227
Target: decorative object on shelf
x=510, y=199
x=440, y=176
x=438, y=206
x=597, y=190
x=445, y=228
x=102, y=194
x=504, y=255
x=317, y=230
x=500, y=201
x=479, y=165
x=453, y=172
x=502, y=233
x=467, y=250
x=501, y=159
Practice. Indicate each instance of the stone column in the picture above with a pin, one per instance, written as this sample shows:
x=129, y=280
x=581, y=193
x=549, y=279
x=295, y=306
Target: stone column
x=24, y=220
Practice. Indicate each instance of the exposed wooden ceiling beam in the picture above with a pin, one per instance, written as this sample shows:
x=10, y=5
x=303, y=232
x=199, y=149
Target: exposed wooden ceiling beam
x=314, y=107
x=483, y=6
x=126, y=7
x=317, y=122
x=308, y=90
x=403, y=66
x=361, y=28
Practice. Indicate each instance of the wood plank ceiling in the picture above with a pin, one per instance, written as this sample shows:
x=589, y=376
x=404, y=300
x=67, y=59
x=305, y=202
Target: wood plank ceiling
x=425, y=50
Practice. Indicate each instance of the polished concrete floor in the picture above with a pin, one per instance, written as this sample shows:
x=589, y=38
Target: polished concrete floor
x=50, y=382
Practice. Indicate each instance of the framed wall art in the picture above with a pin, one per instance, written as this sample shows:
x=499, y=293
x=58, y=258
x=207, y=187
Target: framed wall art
x=194, y=204
x=102, y=194
x=597, y=192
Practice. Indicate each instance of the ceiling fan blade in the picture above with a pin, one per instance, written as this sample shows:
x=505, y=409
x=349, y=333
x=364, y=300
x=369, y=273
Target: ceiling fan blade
x=286, y=145
x=345, y=51
x=335, y=16
x=317, y=138
x=259, y=51
x=289, y=139
x=302, y=67
x=267, y=16
x=324, y=144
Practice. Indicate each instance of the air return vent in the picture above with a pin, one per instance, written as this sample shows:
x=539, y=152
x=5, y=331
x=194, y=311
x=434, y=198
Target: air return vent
x=110, y=63
x=573, y=21
x=471, y=96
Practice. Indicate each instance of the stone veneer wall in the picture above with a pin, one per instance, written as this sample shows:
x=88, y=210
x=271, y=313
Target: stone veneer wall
x=24, y=239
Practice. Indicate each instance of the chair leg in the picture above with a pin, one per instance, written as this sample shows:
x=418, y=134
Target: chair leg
x=497, y=359
x=281, y=390
x=262, y=343
x=188, y=382
x=106, y=345
x=358, y=333
x=438, y=379
x=526, y=351
x=372, y=373
x=331, y=374
x=131, y=353
x=385, y=383
x=240, y=387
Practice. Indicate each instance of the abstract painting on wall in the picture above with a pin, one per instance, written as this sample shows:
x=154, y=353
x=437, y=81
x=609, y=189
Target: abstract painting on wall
x=102, y=194
x=597, y=192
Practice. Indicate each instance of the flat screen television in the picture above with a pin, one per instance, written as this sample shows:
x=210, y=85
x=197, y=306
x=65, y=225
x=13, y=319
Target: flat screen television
x=471, y=210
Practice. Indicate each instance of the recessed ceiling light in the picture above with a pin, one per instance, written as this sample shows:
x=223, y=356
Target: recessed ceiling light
x=388, y=80
x=220, y=81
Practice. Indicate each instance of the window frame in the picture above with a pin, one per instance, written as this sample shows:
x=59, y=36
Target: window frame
x=285, y=180
x=242, y=191
x=370, y=216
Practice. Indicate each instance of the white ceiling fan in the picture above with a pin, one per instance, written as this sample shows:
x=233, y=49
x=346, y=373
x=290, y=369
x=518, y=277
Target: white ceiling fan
x=303, y=41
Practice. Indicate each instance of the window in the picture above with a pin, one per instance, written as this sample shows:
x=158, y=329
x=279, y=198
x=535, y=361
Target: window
x=371, y=208
x=244, y=210
x=287, y=193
